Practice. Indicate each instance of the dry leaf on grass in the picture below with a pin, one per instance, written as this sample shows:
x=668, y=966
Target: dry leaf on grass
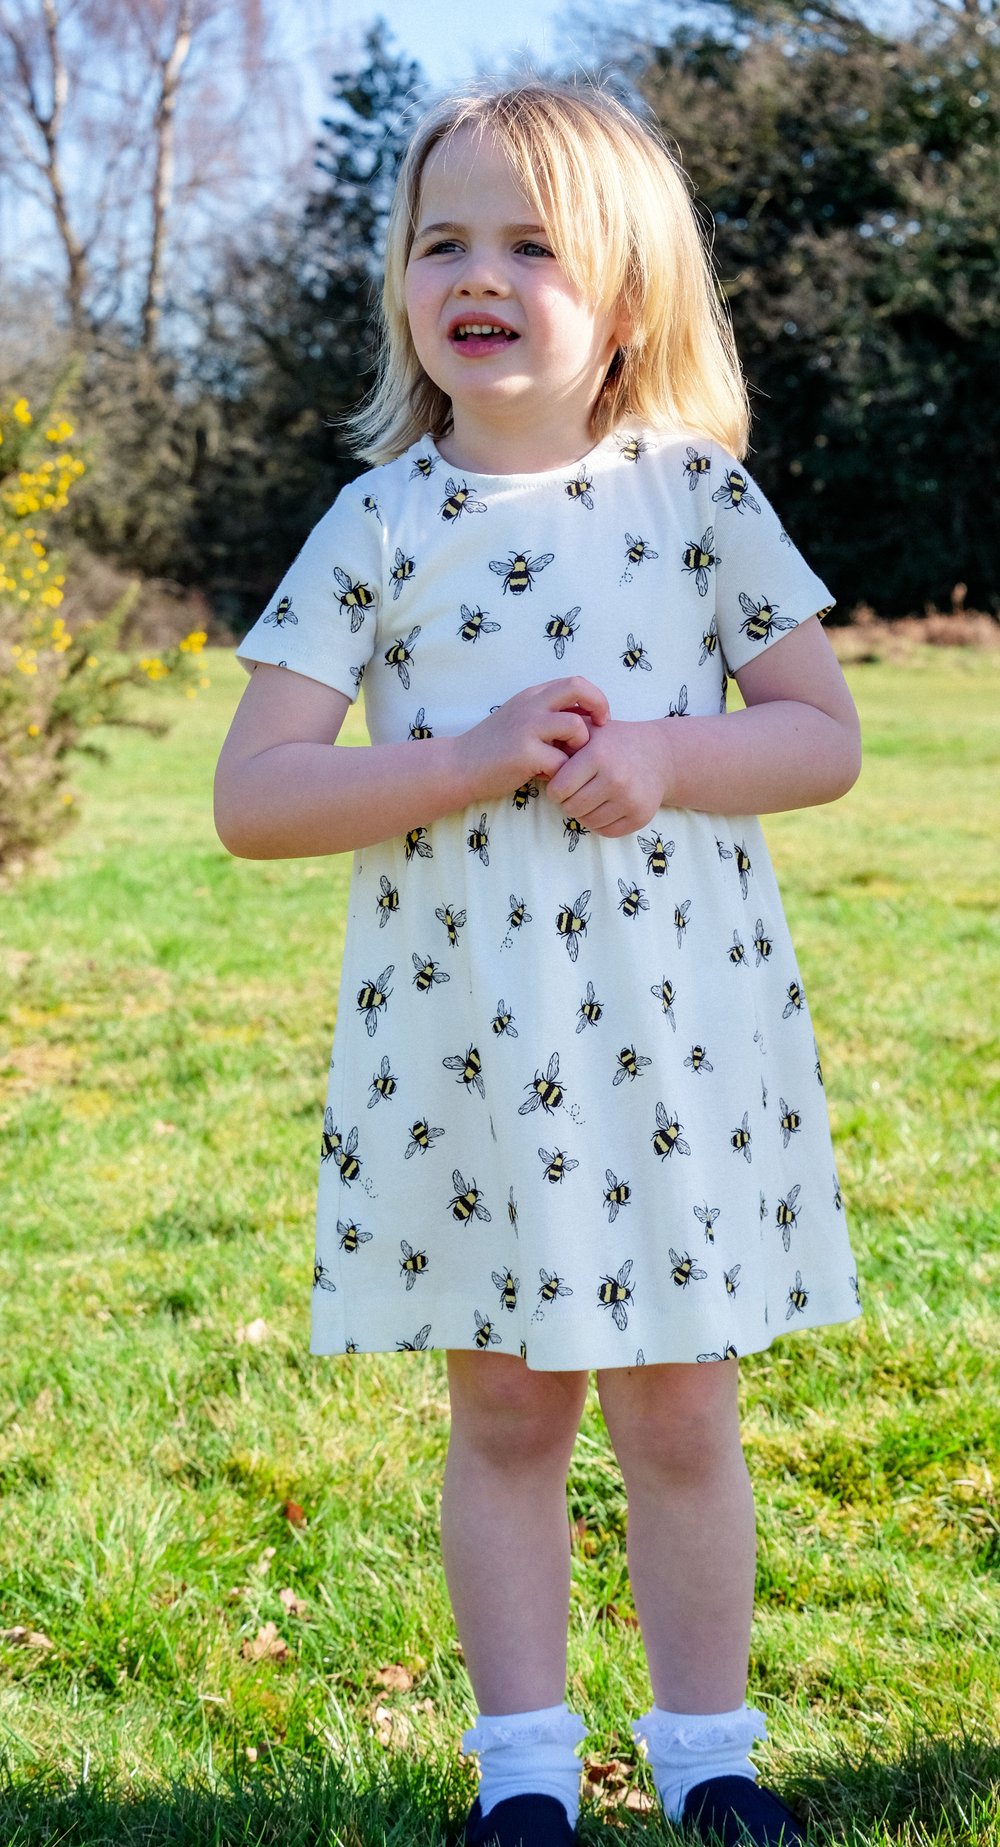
x=293, y=1604
x=20, y=1637
x=294, y=1514
x=392, y=1728
x=267, y=1645
x=394, y=1677
x=254, y=1334
x=638, y=1801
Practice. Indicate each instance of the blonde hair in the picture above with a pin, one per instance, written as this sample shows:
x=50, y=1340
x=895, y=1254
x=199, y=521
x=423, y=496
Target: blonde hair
x=618, y=208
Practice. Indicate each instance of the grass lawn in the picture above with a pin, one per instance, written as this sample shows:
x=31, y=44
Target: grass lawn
x=222, y=1613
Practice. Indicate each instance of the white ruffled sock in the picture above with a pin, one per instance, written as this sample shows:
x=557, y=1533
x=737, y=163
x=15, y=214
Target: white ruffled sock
x=528, y=1754
x=686, y=1748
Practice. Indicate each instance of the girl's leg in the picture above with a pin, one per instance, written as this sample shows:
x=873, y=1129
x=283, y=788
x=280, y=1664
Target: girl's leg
x=691, y=1535
x=504, y=1526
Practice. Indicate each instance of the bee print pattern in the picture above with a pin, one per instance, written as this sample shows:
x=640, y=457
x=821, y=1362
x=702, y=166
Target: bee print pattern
x=351, y=1236
x=354, y=598
x=387, y=901
x=401, y=572
x=574, y=831
x=685, y=1270
x=786, y=1215
x=503, y=1021
x=467, y=1201
x=698, y=559
x=478, y=840
x=694, y=466
x=633, y=900
x=520, y=570
x=428, y=973
x=422, y=1137
x=561, y=629
x=589, y=1010
x=383, y=1085
x=548, y=1092
x=667, y=1139
x=453, y=921
x=508, y=1285
x=373, y=998
x=571, y=923
x=283, y=613
x=615, y=1292
x=635, y=656
x=469, y=1068
x=630, y=1064
x=412, y=1265
x=617, y=1194
x=580, y=490
x=459, y=500
x=400, y=656
x=556, y=1165
x=419, y=729
x=475, y=623
x=735, y=492
x=658, y=854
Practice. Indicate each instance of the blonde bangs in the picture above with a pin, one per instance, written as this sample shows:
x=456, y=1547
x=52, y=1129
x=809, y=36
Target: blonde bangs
x=618, y=209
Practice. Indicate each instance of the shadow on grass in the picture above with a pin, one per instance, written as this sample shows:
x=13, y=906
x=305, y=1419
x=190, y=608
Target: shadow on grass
x=945, y=1793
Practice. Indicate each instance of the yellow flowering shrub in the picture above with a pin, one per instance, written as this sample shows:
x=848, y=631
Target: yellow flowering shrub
x=56, y=685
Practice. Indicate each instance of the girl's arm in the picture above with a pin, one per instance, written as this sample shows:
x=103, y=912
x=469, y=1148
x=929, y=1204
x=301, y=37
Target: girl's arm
x=285, y=789
x=798, y=743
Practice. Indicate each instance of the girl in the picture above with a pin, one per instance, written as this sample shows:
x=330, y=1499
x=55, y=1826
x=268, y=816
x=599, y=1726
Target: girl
x=575, y=1115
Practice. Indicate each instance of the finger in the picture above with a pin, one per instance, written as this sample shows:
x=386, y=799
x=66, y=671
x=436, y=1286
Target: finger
x=572, y=778
x=570, y=729
x=575, y=691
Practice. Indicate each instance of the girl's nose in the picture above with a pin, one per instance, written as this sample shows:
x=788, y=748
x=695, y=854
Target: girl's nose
x=481, y=275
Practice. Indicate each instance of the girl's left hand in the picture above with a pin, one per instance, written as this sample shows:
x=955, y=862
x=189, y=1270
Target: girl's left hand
x=615, y=783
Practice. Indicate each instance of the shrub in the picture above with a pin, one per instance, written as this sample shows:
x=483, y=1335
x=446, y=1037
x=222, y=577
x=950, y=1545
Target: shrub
x=56, y=687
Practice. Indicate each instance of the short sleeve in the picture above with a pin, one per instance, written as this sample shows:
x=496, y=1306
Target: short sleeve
x=321, y=620
x=763, y=585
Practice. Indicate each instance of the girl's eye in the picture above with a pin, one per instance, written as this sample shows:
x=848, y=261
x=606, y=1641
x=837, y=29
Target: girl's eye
x=534, y=250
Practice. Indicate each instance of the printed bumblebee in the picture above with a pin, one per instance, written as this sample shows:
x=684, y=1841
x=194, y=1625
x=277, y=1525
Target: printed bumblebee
x=761, y=942
x=694, y=466
x=615, y=1292
x=371, y=505
x=355, y=598
x=478, y=840
x=386, y=902
x=331, y=1138
x=467, y=1201
x=508, y=1285
x=743, y=866
x=416, y=845
x=351, y=1235
x=709, y=643
x=685, y=1270
x=631, y=447
x=528, y=792
x=518, y=915
x=707, y=1217
x=418, y=1343
x=503, y=1021
x=635, y=656
x=735, y=492
x=762, y=619
x=470, y=1069
x=460, y=500
x=731, y=1278
x=400, y=656
x=617, y=1195
x=557, y=1164
x=561, y=629
x=552, y=1286
x=428, y=975
x=739, y=1139
x=401, y=571
x=633, y=899
x=322, y=1278
x=373, y=996
x=589, y=1010
x=790, y=1122
x=580, y=490
x=630, y=1064
x=728, y=1353
x=418, y=729
x=698, y=559
x=475, y=623
x=666, y=994
x=345, y=1156
x=637, y=551
x=520, y=570
x=574, y=831
x=682, y=913
x=453, y=921
x=425, y=466
x=795, y=1002
x=413, y=1263
x=667, y=1138
x=697, y=1060
x=284, y=613
x=571, y=923
x=680, y=710
x=798, y=1296
x=658, y=853
x=383, y=1084
x=786, y=1215
x=421, y=1138
x=547, y=1091
x=737, y=952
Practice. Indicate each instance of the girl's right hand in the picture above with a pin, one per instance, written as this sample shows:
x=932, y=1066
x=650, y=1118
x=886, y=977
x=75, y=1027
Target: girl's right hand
x=529, y=737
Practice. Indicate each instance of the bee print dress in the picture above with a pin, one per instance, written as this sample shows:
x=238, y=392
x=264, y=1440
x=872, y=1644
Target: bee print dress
x=575, y=1107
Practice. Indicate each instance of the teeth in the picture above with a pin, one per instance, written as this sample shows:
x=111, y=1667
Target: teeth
x=479, y=327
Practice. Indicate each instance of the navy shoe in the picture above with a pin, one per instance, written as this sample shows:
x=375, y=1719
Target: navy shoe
x=738, y=1813
x=521, y=1821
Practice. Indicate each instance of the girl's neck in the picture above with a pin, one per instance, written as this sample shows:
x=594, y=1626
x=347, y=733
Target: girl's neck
x=513, y=451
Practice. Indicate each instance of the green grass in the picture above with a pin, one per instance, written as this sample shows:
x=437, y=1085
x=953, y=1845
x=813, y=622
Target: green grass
x=168, y=1013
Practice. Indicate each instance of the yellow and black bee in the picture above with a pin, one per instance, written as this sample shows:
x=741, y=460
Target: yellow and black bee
x=383, y=1085
x=520, y=570
x=761, y=942
x=796, y=1001
x=739, y=1139
x=571, y=923
x=372, y=997
x=351, y=1235
x=838, y=1197
x=512, y=1211
x=401, y=571
x=412, y=1264
x=561, y=629
x=546, y=1090
x=685, y=1270
x=638, y=550
x=475, y=623
x=467, y=1201
x=630, y=1064
x=400, y=656
x=478, y=840
x=417, y=1344
x=790, y=1121
x=322, y=1278
x=682, y=913
x=418, y=729
x=354, y=597
x=698, y=559
x=460, y=500
x=735, y=491
x=658, y=853
x=680, y=710
x=574, y=831
x=635, y=656
x=345, y=1155
x=425, y=466
x=798, y=1296
x=552, y=1286
x=762, y=619
x=697, y=1060
x=428, y=973
x=422, y=1137
x=416, y=845
x=633, y=899
x=694, y=466
x=518, y=915
x=615, y=1292
x=665, y=992
x=357, y=674
x=386, y=902
x=528, y=792
x=486, y=1334
x=503, y=1021
x=617, y=1195
x=763, y=1208
x=331, y=1138
x=581, y=489
x=589, y=1010
x=786, y=1215
x=508, y=1285
x=707, y=1216
x=743, y=865
x=728, y=1353
x=470, y=1069
x=557, y=1164
x=709, y=643
x=631, y=447
x=350, y=1346
x=737, y=952
x=667, y=1139
x=283, y=614
x=453, y=921
x=371, y=505
x=731, y=1278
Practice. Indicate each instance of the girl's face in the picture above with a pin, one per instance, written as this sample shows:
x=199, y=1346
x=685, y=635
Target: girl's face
x=496, y=323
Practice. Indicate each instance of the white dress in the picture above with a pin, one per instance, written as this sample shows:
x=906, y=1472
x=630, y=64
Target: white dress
x=575, y=1108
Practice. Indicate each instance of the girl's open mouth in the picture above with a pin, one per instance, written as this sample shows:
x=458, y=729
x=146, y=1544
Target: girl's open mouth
x=481, y=336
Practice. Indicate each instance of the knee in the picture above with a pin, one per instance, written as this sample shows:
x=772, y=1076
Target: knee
x=505, y=1412
x=682, y=1426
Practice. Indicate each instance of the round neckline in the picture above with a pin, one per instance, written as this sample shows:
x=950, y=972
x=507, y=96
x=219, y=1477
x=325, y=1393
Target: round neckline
x=536, y=474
